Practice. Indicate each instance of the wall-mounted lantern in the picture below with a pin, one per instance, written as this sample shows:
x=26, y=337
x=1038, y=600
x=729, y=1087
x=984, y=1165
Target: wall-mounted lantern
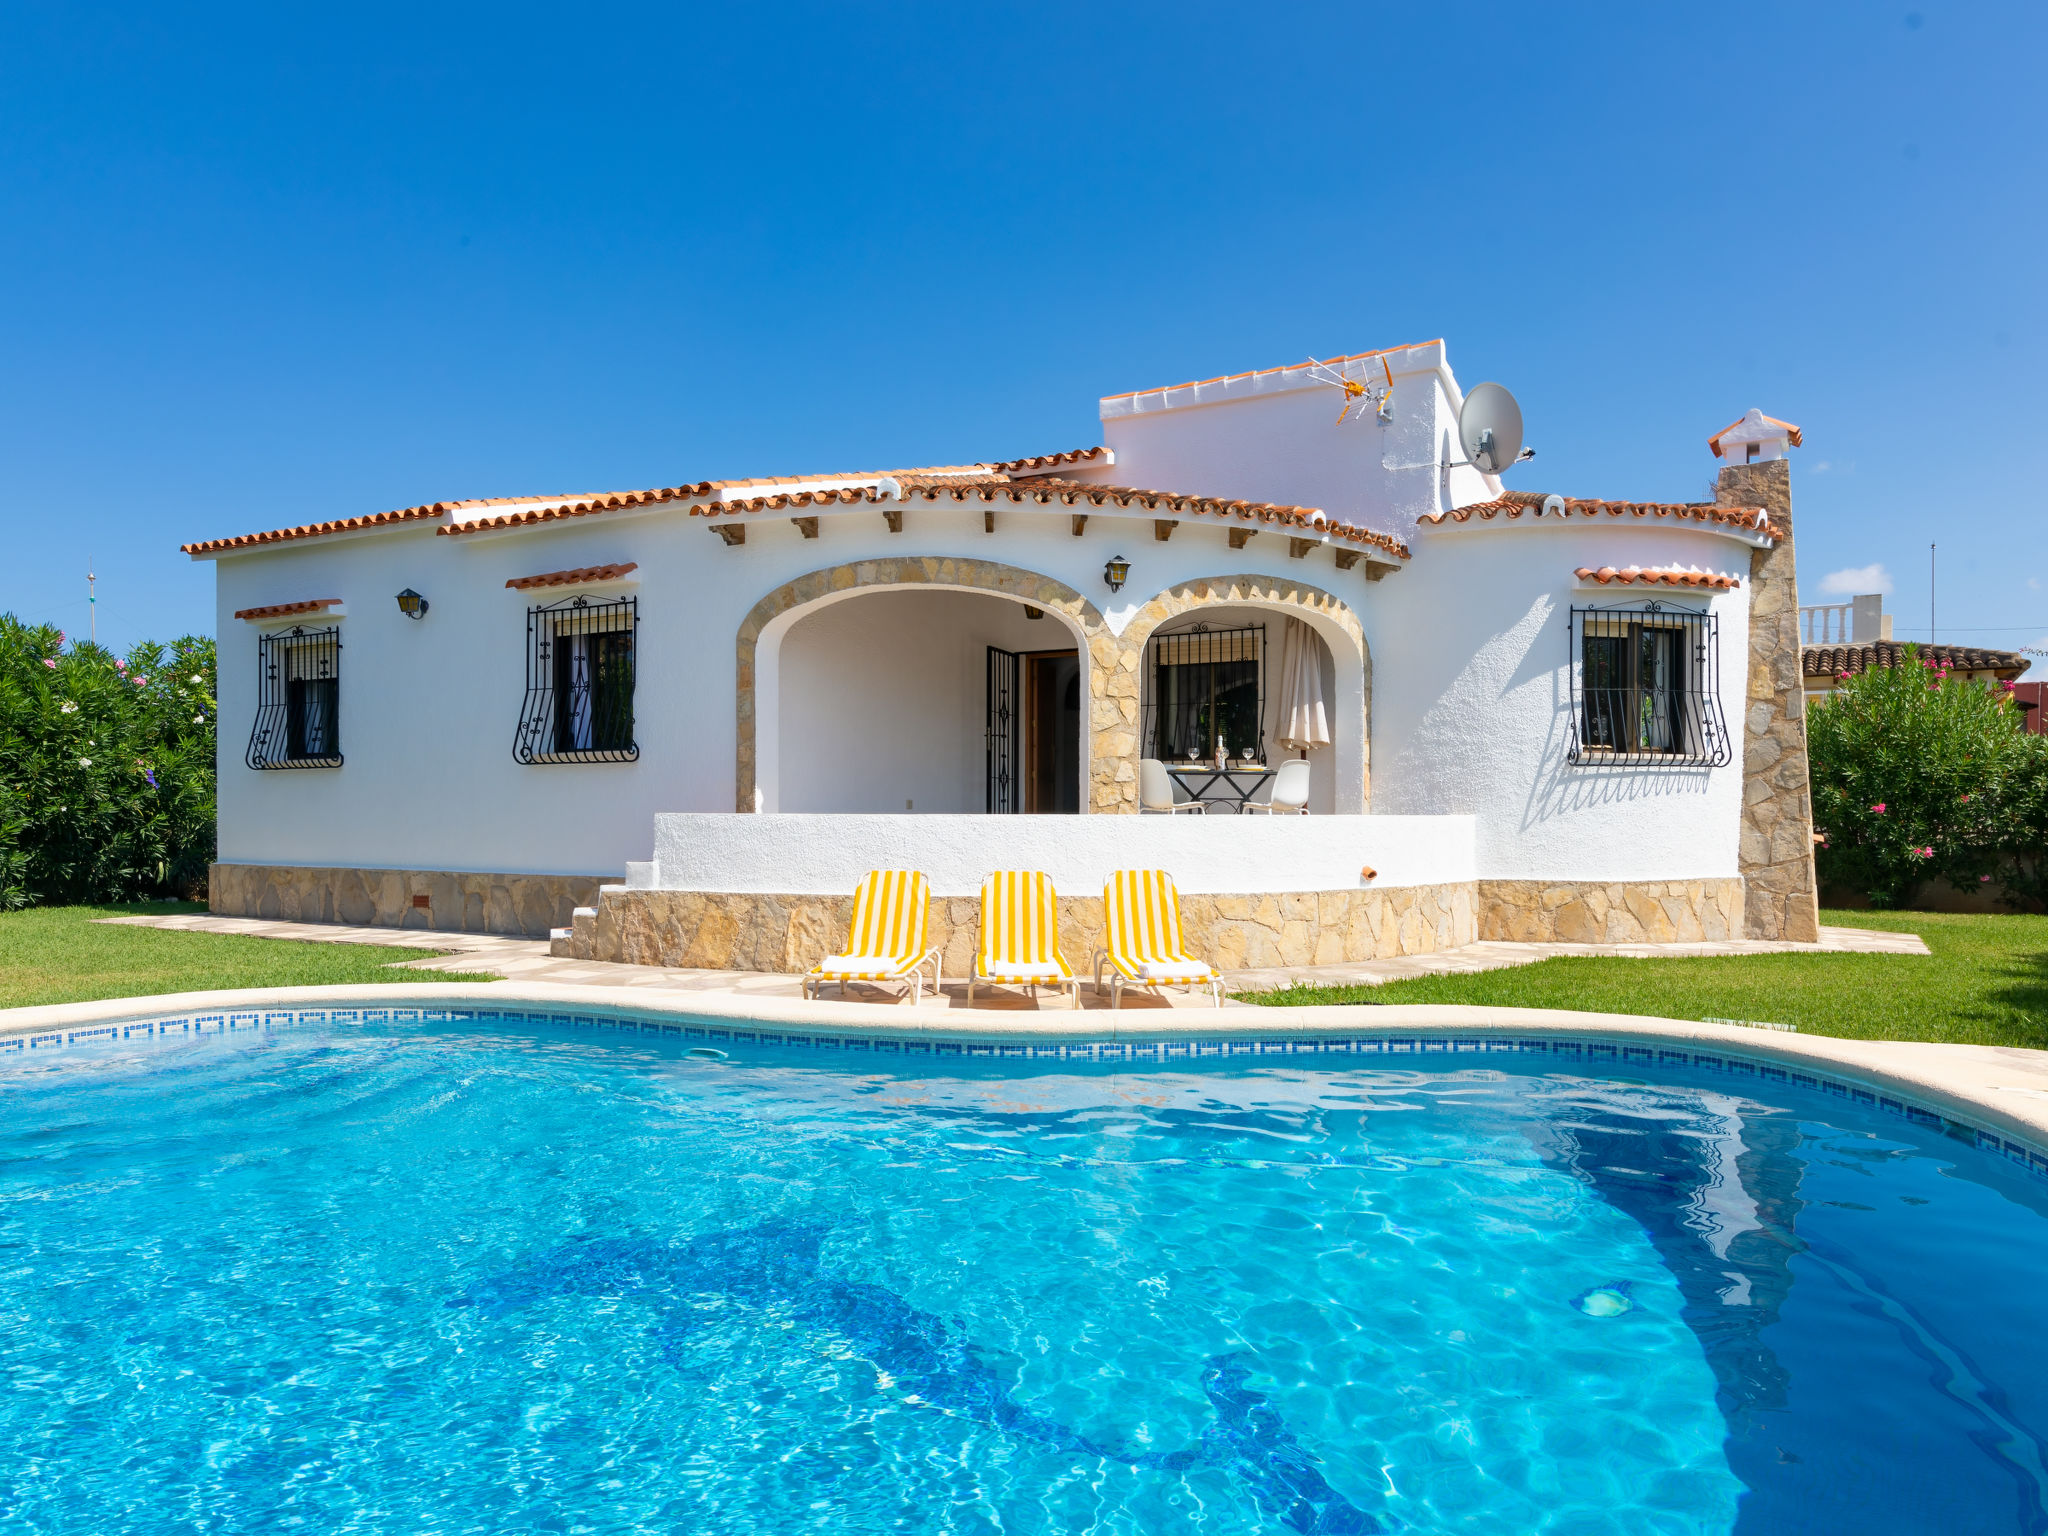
x=1115, y=572
x=411, y=604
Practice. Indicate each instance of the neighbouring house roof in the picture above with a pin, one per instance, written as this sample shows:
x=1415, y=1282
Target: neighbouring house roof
x=572, y=578
x=1514, y=505
x=1834, y=660
x=1072, y=494
x=1756, y=421
x=1657, y=576
x=286, y=610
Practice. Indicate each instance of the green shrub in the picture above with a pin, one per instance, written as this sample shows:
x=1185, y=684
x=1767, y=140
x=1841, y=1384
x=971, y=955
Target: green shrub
x=106, y=768
x=1915, y=772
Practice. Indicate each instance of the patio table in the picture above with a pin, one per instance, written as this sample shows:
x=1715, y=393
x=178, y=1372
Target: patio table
x=1238, y=785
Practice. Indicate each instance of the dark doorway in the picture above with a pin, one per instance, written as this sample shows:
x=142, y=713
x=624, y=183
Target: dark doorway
x=1052, y=732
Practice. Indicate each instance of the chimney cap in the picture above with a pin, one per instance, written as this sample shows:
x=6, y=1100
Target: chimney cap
x=1753, y=427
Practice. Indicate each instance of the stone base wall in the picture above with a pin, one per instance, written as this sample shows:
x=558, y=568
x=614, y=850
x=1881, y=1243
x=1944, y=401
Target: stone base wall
x=1617, y=912
x=524, y=905
x=718, y=930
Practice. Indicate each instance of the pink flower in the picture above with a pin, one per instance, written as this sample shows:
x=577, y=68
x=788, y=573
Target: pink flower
x=1925, y=853
x=1966, y=797
x=1879, y=807
x=140, y=680
x=1983, y=879
x=120, y=665
x=48, y=662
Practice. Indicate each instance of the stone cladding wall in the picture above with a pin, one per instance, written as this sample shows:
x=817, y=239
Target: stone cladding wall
x=1776, y=851
x=526, y=905
x=719, y=930
x=1617, y=912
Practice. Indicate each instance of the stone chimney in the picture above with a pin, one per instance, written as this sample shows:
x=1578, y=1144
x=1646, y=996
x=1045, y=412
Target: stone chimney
x=1776, y=857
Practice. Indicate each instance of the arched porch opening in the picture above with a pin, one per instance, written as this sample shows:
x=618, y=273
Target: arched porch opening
x=1340, y=774
x=872, y=687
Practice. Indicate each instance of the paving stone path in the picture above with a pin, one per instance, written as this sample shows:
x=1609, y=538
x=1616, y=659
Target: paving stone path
x=529, y=960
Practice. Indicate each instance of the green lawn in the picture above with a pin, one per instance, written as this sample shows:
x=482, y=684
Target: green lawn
x=60, y=955
x=1985, y=984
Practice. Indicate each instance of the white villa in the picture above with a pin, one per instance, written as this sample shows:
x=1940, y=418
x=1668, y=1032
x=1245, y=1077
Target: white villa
x=1524, y=715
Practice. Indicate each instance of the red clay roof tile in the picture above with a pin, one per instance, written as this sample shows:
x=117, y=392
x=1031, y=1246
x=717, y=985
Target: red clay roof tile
x=1656, y=576
x=571, y=578
x=286, y=610
x=1516, y=504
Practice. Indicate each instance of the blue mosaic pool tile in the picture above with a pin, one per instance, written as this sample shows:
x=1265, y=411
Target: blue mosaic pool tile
x=1575, y=1051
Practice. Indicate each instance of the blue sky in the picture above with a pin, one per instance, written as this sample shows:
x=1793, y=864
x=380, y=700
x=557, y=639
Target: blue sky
x=265, y=265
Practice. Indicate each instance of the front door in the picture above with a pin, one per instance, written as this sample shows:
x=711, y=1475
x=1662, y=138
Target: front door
x=1005, y=730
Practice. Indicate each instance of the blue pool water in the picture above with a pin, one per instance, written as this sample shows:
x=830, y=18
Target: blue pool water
x=498, y=1278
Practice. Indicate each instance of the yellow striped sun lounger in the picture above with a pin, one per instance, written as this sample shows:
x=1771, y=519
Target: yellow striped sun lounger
x=1142, y=939
x=1020, y=935
x=886, y=939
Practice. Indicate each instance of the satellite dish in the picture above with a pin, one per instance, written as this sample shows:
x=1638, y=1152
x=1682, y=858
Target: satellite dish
x=1490, y=429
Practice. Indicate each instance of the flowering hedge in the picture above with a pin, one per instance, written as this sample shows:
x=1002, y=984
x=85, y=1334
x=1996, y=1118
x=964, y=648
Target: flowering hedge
x=1918, y=773
x=106, y=768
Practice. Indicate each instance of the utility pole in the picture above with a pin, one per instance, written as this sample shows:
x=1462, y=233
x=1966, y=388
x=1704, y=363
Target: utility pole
x=1930, y=595
x=92, y=610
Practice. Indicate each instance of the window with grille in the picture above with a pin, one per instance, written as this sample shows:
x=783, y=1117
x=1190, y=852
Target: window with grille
x=579, y=683
x=1646, y=688
x=298, y=700
x=1206, y=683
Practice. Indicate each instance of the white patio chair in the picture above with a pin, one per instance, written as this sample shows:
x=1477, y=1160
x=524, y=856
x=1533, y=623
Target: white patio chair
x=1290, y=791
x=1155, y=791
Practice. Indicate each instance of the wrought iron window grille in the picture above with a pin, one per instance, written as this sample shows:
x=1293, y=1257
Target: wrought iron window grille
x=1203, y=683
x=298, y=700
x=580, y=668
x=1646, y=688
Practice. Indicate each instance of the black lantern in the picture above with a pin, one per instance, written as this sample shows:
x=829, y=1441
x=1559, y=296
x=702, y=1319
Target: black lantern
x=1115, y=572
x=411, y=604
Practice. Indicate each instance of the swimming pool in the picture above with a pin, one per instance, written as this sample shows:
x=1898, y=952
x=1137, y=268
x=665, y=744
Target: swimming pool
x=496, y=1275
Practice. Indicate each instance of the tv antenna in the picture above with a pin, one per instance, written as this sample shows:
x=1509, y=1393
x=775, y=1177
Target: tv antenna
x=1490, y=431
x=1374, y=393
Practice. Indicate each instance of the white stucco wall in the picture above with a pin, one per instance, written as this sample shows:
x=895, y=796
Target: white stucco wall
x=883, y=699
x=1469, y=667
x=1471, y=704
x=1272, y=436
x=825, y=855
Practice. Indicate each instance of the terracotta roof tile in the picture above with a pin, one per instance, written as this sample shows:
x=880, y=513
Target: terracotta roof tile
x=1834, y=660
x=286, y=610
x=1656, y=576
x=1042, y=463
x=1070, y=493
x=585, y=507
x=571, y=578
x=1517, y=504
x=314, y=530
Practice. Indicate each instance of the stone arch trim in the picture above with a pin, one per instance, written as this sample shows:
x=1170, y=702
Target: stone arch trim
x=909, y=571
x=1119, y=663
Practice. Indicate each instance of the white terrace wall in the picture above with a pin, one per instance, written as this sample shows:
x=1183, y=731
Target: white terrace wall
x=828, y=855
